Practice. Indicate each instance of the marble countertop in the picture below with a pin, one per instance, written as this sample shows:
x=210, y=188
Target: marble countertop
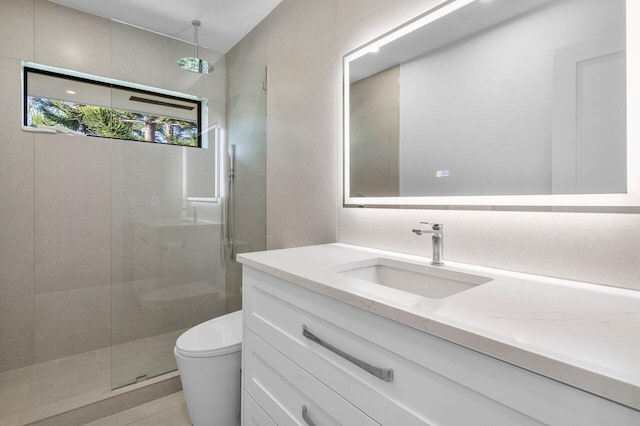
x=581, y=334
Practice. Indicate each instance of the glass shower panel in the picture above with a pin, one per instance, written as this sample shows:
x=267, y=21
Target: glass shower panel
x=246, y=127
x=167, y=270
x=137, y=212
x=170, y=267
x=192, y=265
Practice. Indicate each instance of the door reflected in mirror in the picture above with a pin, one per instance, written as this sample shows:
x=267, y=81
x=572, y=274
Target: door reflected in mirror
x=503, y=97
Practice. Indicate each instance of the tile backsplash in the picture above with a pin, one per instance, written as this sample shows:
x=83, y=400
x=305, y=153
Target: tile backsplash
x=590, y=247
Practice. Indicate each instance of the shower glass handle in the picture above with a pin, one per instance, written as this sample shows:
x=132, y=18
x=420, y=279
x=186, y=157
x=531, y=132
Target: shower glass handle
x=231, y=243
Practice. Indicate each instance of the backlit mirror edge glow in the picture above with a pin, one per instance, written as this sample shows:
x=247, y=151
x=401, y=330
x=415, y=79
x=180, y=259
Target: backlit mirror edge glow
x=617, y=203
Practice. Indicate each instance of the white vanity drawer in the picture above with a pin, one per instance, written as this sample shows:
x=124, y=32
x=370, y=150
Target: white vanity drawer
x=252, y=414
x=288, y=394
x=434, y=381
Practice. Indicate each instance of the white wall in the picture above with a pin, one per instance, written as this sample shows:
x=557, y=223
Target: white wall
x=302, y=42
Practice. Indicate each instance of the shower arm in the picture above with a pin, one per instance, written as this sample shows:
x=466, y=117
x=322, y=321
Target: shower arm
x=195, y=24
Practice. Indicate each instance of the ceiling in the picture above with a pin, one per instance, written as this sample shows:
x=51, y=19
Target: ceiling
x=224, y=22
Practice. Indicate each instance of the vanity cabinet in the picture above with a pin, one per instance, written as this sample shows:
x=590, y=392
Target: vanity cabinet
x=312, y=359
x=253, y=414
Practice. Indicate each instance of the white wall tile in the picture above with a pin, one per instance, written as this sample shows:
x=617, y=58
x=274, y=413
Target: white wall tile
x=301, y=150
x=70, y=39
x=72, y=212
x=351, y=11
x=591, y=247
x=171, y=183
x=390, y=229
x=16, y=191
x=16, y=332
x=298, y=28
x=132, y=321
x=136, y=55
x=253, y=47
x=72, y=321
x=16, y=29
x=136, y=170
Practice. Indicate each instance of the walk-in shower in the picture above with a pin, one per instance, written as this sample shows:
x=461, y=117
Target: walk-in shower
x=176, y=213
x=120, y=263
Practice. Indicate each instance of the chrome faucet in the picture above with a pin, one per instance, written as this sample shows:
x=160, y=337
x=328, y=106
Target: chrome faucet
x=436, y=238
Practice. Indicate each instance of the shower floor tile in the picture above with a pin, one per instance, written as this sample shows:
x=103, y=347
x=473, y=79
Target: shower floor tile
x=39, y=391
x=169, y=410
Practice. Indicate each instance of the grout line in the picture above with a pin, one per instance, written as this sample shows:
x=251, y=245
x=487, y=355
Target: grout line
x=33, y=299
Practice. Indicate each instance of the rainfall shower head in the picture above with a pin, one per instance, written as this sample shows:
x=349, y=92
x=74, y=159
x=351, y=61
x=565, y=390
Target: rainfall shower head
x=195, y=64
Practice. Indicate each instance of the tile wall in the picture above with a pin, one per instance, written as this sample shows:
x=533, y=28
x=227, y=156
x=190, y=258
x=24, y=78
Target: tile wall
x=302, y=42
x=17, y=209
x=61, y=246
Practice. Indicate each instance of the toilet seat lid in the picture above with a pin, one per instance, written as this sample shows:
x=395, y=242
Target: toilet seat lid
x=219, y=336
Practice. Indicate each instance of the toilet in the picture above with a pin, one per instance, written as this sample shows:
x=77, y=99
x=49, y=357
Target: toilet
x=208, y=357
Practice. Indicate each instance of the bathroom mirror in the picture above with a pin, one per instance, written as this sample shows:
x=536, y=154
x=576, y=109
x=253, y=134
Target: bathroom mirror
x=495, y=102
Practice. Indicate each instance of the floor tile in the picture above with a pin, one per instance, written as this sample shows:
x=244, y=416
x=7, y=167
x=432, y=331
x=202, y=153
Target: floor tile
x=171, y=407
x=44, y=389
x=176, y=416
x=13, y=420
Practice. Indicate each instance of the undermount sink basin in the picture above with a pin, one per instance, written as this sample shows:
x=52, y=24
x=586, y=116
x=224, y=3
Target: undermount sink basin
x=427, y=281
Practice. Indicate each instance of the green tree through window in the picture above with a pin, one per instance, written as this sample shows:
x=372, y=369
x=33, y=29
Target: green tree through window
x=94, y=107
x=111, y=123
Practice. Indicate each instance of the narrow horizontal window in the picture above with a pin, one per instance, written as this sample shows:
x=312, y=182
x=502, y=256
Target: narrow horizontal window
x=100, y=108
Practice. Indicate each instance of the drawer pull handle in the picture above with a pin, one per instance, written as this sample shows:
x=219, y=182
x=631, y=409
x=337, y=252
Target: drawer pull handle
x=305, y=416
x=385, y=374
